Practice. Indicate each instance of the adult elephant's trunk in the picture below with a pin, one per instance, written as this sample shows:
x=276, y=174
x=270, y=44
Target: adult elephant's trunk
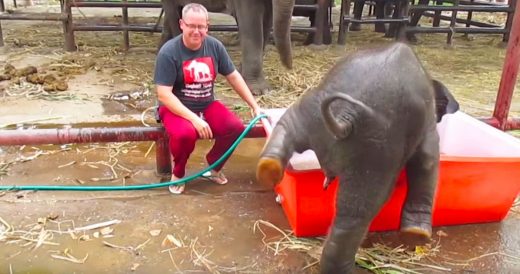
x=282, y=14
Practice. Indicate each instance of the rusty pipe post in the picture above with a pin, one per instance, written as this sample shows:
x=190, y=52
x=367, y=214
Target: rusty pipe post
x=509, y=72
x=78, y=135
x=162, y=156
x=103, y=134
x=93, y=135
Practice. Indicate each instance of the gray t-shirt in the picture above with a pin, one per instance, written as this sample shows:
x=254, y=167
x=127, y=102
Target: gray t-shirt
x=192, y=73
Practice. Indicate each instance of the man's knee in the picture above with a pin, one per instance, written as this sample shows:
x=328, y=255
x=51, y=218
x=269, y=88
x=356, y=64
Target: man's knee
x=235, y=128
x=184, y=137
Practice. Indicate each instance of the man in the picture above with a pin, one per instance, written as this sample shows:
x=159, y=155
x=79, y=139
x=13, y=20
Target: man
x=185, y=73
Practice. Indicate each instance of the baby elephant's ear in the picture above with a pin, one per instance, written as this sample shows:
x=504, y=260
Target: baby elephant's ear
x=444, y=100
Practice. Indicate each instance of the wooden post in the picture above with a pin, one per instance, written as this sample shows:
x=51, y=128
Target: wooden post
x=2, y=9
x=1, y=35
x=319, y=23
x=509, y=20
x=509, y=72
x=453, y=21
x=126, y=36
x=68, y=27
x=162, y=156
x=345, y=11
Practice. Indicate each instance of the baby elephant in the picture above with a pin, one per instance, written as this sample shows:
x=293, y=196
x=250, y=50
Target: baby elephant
x=374, y=113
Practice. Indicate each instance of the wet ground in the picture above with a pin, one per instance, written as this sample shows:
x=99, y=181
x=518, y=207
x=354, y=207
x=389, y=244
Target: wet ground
x=215, y=221
x=211, y=227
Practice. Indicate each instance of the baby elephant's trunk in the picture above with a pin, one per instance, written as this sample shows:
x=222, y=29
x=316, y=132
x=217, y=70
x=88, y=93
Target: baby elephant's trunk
x=274, y=157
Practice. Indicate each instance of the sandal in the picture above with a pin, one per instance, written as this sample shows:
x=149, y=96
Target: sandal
x=176, y=189
x=217, y=178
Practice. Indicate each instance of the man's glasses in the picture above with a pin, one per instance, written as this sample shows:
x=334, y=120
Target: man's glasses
x=194, y=27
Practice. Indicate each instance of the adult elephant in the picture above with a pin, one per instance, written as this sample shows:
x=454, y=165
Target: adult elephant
x=365, y=128
x=311, y=14
x=381, y=9
x=255, y=21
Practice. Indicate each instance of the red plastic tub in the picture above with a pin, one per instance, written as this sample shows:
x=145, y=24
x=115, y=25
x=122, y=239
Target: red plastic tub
x=478, y=182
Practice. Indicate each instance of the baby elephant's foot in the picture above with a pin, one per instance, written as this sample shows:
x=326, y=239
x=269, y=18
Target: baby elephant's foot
x=414, y=234
x=416, y=219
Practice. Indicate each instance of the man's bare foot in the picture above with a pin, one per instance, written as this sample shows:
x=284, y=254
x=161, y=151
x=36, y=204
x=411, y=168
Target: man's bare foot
x=175, y=189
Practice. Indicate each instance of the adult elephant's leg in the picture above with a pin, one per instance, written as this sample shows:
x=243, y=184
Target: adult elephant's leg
x=327, y=25
x=267, y=23
x=250, y=16
x=171, y=21
x=310, y=36
x=358, y=12
x=422, y=172
x=357, y=203
x=393, y=8
x=327, y=36
x=416, y=16
x=380, y=14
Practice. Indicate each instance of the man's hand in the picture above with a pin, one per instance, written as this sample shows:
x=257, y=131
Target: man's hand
x=202, y=128
x=257, y=111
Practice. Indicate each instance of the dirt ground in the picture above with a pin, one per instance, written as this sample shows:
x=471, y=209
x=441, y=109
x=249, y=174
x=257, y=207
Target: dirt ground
x=210, y=228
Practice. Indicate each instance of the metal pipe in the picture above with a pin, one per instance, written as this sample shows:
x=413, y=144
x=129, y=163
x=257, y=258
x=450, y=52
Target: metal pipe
x=307, y=7
x=482, y=8
x=78, y=135
x=107, y=27
x=468, y=22
x=374, y=20
x=34, y=16
x=103, y=4
x=509, y=72
x=90, y=135
x=94, y=135
x=154, y=28
x=77, y=27
x=511, y=124
x=455, y=30
x=116, y=4
x=162, y=156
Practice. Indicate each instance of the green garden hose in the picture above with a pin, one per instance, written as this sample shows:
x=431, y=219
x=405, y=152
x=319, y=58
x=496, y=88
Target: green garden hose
x=147, y=186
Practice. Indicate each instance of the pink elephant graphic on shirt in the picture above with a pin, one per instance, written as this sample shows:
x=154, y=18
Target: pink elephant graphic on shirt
x=200, y=71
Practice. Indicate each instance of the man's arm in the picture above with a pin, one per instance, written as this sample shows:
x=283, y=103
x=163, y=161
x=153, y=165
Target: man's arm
x=241, y=88
x=168, y=99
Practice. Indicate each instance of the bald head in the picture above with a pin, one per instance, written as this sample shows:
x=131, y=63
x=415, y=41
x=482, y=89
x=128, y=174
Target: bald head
x=194, y=8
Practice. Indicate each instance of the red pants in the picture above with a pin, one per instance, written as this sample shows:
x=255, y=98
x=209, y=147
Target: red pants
x=224, y=124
